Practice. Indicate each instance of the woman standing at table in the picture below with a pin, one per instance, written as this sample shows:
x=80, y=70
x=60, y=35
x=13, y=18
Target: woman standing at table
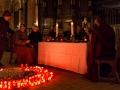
x=102, y=46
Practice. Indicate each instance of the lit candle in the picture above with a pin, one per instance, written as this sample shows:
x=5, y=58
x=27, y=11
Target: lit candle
x=26, y=65
x=72, y=29
x=56, y=29
x=21, y=65
x=85, y=39
x=61, y=40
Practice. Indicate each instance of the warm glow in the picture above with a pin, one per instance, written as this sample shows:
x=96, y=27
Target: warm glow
x=72, y=28
x=41, y=76
x=56, y=29
x=36, y=24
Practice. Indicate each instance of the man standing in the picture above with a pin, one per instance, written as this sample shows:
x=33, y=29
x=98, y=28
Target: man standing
x=4, y=25
x=102, y=46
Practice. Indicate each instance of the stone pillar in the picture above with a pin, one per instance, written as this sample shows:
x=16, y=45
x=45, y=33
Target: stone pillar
x=24, y=14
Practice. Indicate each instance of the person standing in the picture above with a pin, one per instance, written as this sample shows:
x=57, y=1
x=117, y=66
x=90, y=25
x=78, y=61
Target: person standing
x=4, y=25
x=102, y=46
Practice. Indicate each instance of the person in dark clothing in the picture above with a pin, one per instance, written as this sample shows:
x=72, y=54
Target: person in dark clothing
x=102, y=46
x=79, y=33
x=25, y=52
x=88, y=32
x=52, y=33
x=35, y=37
x=66, y=34
x=4, y=25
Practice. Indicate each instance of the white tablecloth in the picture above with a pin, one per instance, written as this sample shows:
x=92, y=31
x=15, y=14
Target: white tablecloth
x=69, y=56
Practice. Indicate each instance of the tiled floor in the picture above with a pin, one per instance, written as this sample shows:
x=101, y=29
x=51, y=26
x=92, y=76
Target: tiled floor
x=66, y=80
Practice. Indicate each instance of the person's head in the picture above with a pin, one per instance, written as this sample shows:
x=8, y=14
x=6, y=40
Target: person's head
x=54, y=27
x=100, y=20
x=83, y=24
x=85, y=19
x=35, y=28
x=78, y=28
x=6, y=15
x=86, y=29
x=69, y=27
x=22, y=27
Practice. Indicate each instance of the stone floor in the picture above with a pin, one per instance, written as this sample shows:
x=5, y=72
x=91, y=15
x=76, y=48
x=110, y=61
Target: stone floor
x=66, y=80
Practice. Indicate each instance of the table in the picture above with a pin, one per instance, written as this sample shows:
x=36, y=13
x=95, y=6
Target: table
x=68, y=56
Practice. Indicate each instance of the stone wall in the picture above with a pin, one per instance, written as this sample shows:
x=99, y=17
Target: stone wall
x=31, y=13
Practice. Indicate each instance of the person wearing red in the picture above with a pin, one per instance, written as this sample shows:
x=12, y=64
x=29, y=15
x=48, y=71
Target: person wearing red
x=25, y=52
x=4, y=25
x=102, y=46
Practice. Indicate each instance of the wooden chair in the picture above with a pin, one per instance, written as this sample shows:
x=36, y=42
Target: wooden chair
x=112, y=63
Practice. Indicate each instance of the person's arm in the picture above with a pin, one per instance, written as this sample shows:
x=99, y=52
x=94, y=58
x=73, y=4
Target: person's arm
x=10, y=31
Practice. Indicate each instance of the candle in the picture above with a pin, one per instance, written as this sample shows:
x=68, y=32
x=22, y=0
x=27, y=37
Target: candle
x=26, y=65
x=85, y=39
x=61, y=40
x=21, y=65
x=56, y=29
x=72, y=30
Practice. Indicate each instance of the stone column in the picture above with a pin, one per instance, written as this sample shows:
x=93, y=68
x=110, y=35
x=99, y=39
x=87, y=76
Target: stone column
x=24, y=14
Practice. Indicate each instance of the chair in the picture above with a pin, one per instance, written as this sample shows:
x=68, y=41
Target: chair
x=112, y=63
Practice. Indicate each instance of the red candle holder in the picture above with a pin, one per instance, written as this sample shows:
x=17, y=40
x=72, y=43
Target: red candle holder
x=26, y=65
x=61, y=40
x=21, y=65
x=48, y=40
